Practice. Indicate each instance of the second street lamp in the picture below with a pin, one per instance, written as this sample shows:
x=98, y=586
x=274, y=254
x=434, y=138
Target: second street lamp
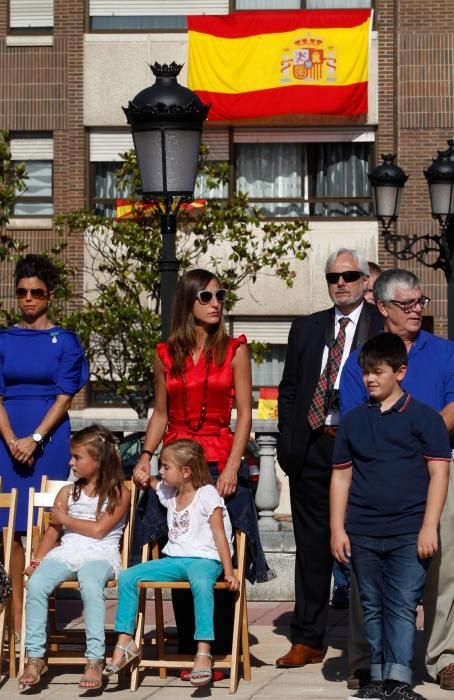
x=166, y=122
x=436, y=251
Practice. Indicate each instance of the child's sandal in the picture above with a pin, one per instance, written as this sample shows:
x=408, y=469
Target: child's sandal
x=39, y=669
x=201, y=676
x=128, y=657
x=94, y=683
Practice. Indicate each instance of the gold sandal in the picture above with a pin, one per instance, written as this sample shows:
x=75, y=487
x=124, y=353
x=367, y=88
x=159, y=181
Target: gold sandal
x=40, y=667
x=94, y=665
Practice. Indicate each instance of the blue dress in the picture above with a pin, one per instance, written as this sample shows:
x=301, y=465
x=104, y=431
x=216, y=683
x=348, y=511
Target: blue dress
x=35, y=367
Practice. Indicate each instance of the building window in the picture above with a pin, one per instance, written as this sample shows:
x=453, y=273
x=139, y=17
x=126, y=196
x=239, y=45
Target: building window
x=301, y=4
x=27, y=16
x=269, y=372
x=305, y=179
x=145, y=15
x=37, y=154
x=105, y=189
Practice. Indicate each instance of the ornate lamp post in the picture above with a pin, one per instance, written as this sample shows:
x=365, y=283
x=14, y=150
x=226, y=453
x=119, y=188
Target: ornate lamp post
x=436, y=251
x=166, y=122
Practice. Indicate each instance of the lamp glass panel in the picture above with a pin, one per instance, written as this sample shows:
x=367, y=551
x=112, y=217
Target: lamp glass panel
x=442, y=198
x=182, y=159
x=386, y=201
x=181, y=152
x=149, y=159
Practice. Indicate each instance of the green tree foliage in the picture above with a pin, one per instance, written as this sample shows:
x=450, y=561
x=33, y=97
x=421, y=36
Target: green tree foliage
x=119, y=320
x=12, y=183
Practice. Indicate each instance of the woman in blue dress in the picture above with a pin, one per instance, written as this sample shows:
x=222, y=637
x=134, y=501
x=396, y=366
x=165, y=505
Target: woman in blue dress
x=42, y=366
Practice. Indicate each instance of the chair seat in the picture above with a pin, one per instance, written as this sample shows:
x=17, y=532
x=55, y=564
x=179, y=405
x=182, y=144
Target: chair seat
x=220, y=585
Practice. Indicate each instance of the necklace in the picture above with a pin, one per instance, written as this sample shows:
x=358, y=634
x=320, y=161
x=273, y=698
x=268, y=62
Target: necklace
x=195, y=427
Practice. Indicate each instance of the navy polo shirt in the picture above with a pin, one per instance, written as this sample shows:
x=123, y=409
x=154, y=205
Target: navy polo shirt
x=388, y=452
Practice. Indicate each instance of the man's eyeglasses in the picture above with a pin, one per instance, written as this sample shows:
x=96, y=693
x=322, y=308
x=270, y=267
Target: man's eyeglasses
x=205, y=296
x=408, y=306
x=347, y=276
x=37, y=293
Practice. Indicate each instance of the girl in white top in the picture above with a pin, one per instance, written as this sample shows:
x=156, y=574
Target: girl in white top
x=198, y=549
x=91, y=513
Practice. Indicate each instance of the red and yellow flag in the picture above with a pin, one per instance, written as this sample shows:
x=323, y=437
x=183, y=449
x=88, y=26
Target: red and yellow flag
x=134, y=209
x=257, y=64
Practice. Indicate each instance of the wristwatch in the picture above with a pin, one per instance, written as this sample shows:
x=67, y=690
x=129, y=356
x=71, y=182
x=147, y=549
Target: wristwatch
x=38, y=438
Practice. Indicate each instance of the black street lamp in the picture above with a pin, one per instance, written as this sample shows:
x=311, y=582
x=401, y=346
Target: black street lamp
x=166, y=122
x=436, y=251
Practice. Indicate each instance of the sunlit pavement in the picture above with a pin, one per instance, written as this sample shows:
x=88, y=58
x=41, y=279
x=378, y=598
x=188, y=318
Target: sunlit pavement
x=268, y=639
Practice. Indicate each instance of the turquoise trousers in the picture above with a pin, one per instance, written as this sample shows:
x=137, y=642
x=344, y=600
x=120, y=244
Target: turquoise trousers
x=92, y=578
x=201, y=574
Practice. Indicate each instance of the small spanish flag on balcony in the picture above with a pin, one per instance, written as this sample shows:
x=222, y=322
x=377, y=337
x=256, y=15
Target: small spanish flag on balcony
x=132, y=210
x=259, y=64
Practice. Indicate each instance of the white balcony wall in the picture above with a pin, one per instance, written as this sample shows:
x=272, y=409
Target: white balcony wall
x=116, y=69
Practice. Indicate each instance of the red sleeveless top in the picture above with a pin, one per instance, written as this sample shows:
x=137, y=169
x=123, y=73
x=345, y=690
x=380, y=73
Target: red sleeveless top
x=214, y=435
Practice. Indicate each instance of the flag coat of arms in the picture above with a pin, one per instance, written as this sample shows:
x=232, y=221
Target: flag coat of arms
x=259, y=64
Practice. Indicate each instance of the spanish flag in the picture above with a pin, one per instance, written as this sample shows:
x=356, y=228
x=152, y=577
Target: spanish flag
x=133, y=210
x=258, y=64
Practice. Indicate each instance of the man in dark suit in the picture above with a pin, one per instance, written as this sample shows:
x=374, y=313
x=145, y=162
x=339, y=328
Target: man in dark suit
x=308, y=406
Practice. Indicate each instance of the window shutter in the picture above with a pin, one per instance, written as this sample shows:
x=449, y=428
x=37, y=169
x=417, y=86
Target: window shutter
x=133, y=8
x=268, y=330
x=32, y=149
x=217, y=141
x=31, y=13
x=105, y=146
x=302, y=135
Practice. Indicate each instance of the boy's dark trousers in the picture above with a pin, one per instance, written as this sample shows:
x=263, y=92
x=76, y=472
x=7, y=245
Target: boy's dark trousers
x=391, y=579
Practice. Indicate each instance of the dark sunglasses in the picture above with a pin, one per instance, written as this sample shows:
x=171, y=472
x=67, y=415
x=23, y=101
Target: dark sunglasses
x=205, y=296
x=348, y=276
x=40, y=294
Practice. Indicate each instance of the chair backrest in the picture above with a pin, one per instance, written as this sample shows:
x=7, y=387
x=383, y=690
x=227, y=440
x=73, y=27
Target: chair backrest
x=128, y=532
x=9, y=501
x=43, y=500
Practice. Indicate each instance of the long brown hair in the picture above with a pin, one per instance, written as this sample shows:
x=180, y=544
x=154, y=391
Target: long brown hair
x=183, y=333
x=101, y=446
x=187, y=453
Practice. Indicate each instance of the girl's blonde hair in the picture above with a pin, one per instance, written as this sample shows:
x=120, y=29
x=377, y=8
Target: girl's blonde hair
x=183, y=332
x=101, y=446
x=188, y=453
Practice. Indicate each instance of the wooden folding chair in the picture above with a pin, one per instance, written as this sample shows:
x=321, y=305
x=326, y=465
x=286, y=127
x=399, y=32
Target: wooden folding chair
x=8, y=501
x=58, y=640
x=165, y=660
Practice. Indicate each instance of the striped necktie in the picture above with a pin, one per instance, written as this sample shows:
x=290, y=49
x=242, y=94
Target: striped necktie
x=316, y=415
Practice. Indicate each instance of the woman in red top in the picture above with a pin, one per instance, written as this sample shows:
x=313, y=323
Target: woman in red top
x=197, y=375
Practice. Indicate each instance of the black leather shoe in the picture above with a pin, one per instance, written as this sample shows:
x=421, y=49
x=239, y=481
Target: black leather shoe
x=358, y=679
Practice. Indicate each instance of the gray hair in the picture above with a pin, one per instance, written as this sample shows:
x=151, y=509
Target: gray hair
x=361, y=262
x=386, y=285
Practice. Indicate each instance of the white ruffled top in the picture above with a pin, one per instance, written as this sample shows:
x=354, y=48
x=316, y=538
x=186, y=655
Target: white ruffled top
x=76, y=550
x=189, y=528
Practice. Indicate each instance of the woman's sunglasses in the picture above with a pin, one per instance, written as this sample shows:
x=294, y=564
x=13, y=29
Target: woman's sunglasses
x=205, y=296
x=40, y=294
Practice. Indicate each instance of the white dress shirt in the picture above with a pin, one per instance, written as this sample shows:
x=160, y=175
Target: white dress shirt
x=333, y=416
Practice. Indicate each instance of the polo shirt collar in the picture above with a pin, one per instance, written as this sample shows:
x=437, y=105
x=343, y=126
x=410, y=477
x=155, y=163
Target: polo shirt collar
x=419, y=341
x=399, y=407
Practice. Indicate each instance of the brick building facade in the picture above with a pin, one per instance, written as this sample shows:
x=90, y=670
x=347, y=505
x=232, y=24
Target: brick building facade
x=66, y=83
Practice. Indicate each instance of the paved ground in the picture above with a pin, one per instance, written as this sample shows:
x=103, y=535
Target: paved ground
x=268, y=629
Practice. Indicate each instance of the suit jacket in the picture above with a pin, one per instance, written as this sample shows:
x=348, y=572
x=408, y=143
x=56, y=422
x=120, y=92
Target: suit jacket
x=307, y=340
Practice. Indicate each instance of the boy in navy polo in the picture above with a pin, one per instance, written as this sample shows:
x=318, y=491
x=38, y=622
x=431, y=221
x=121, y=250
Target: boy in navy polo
x=390, y=479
